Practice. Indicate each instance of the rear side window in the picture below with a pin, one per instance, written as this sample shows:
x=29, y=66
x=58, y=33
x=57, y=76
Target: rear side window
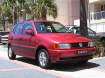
x=17, y=29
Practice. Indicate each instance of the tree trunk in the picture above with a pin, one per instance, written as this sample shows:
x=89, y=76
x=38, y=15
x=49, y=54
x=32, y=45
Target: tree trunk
x=13, y=16
x=83, y=18
x=44, y=14
x=24, y=16
x=3, y=23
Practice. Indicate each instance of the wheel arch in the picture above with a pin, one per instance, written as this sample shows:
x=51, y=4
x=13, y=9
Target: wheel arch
x=40, y=47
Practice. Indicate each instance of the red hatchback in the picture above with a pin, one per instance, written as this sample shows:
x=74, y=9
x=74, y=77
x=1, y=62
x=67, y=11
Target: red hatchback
x=48, y=42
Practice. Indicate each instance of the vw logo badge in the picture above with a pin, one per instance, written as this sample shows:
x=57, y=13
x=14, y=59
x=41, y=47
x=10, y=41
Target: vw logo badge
x=80, y=44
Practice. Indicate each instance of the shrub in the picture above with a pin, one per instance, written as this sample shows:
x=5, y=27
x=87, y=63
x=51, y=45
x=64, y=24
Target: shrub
x=99, y=48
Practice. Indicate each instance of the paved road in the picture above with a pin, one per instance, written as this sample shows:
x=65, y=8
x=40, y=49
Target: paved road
x=26, y=68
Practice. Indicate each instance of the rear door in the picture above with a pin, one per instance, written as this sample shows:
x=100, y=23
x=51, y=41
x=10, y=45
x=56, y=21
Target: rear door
x=15, y=38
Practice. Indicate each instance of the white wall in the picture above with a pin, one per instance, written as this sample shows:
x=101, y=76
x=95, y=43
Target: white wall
x=99, y=27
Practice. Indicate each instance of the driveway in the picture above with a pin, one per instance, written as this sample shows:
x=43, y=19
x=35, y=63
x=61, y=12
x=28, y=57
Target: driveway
x=26, y=68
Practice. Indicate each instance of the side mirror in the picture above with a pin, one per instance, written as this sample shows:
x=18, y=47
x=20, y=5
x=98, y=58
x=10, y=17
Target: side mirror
x=29, y=32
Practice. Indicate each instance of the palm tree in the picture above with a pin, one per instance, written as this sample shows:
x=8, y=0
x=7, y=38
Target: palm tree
x=41, y=8
x=11, y=4
x=15, y=7
x=83, y=17
x=5, y=15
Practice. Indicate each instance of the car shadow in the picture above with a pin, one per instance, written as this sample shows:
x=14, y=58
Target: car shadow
x=72, y=67
x=26, y=60
x=67, y=67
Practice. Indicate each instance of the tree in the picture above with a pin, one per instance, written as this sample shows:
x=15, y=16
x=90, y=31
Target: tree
x=19, y=8
x=5, y=15
x=15, y=7
x=41, y=8
x=83, y=18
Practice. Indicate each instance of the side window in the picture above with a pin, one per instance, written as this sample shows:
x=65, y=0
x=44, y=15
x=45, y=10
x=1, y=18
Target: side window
x=17, y=29
x=27, y=26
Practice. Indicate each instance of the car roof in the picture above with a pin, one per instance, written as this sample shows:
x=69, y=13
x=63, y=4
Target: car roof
x=34, y=21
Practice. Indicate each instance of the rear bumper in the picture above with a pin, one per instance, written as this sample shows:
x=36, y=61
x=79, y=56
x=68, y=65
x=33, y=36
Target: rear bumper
x=70, y=55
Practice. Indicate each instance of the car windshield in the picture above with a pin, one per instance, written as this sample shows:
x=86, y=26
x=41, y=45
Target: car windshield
x=50, y=27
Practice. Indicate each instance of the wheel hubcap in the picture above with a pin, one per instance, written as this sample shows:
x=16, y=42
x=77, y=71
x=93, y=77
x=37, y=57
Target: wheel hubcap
x=42, y=59
x=10, y=52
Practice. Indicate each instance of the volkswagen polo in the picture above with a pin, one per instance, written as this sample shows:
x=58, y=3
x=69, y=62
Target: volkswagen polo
x=48, y=42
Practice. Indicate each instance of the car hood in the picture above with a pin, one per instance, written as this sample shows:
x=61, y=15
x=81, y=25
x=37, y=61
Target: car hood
x=64, y=38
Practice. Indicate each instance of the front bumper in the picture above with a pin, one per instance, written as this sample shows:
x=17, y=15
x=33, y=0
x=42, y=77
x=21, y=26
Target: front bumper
x=70, y=55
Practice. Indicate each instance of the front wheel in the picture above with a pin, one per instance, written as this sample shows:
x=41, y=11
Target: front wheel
x=11, y=54
x=43, y=58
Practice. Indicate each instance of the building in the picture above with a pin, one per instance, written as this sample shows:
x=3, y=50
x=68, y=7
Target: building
x=1, y=0
x=68, y=11
x=97, y=15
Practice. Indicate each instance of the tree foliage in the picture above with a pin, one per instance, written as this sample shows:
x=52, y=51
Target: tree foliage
x=11, y=10
x=41, y=8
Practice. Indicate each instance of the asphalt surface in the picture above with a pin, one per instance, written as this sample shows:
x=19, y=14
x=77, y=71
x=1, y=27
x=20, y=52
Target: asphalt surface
x=26, y=68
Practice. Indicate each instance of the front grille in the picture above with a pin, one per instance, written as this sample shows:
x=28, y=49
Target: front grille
x=79, y=45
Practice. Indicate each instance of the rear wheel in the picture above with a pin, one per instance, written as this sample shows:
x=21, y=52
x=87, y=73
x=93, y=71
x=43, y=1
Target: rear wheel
x=11, y=54
x=43, y=58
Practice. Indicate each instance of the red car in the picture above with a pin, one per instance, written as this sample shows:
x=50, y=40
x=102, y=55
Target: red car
x=48, y=42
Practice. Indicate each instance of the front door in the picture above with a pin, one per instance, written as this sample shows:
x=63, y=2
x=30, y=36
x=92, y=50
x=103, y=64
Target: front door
x=28, y=41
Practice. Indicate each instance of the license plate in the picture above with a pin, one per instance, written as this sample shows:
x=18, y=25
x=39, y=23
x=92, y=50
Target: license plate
x=82, y=52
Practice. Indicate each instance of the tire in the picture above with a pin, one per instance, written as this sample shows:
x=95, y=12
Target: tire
x=43, y=59
x=11, y=54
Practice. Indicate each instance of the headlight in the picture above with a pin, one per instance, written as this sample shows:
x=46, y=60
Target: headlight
x=62, y=46
x=90, y=44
